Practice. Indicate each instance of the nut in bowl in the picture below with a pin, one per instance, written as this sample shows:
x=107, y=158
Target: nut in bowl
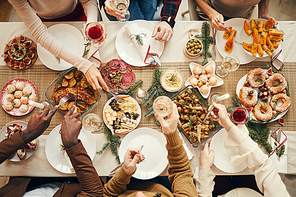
x=193, y=48
x=171, y=80
x=203, y=78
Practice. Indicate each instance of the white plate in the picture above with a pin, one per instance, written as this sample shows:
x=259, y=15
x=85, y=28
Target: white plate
x=138, y=111
x=222, y=155
x=154, y=151
x=70, y=37
x=219, y=80
x=241, y=83
x=128, y=52
x=244, y=37
x=54, y=154
x=238, y=50
x=23, y=124
x=242, y=192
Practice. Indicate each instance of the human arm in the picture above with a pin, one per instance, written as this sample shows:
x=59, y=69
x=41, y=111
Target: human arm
x=267, y=178
x=36, y=126
x=216, y=18
x=203, y=174
x=88, y=178
x=180, y=173
x=40, y=33
x=163, y=31
x=263, y=10
x=117, y=184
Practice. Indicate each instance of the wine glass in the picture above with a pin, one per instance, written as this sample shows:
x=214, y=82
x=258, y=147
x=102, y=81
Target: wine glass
x=121, y=6
x=94, y=31
x=92, y=122
x=240, y=115
x=213, y=97
x=229, y=64
x=163, y=106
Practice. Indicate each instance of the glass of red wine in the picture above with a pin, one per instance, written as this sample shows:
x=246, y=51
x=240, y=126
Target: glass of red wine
x=240, y=115
x=94, y=31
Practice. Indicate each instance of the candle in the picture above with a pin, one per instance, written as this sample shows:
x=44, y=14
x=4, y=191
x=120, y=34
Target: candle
x=39, y=105
x=141, y=93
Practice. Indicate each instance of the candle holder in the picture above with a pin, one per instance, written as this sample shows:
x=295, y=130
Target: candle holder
x=140, y=94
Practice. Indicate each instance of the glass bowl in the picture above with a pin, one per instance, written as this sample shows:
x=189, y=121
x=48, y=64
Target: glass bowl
x=58, y=81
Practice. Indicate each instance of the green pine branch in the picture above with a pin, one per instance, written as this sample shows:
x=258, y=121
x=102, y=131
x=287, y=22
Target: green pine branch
x=206, y=40
x=112, y=141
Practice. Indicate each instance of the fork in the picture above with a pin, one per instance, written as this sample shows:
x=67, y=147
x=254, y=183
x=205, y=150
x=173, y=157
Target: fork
x=64, y=99
x=237, y=42
x=117, y=97
x=121, y=164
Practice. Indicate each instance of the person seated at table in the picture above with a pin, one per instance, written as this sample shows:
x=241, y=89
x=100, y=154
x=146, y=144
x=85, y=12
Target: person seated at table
x=145, y=10
x=33, y=12
x=89, y=181
x=216, y=10
x=267, y=178
x=180, y=173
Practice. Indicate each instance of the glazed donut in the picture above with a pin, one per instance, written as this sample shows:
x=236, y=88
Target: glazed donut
x=274, y=89
x=286, y=102
x=262, y=111
x=256, y=77
x=248, y=96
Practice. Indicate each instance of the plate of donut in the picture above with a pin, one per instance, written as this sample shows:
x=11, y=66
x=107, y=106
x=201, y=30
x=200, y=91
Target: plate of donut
x=15, y=96
x=265, y=94
x=203, y=78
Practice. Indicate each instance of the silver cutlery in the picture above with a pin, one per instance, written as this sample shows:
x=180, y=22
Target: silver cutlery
x=65, y=99
x=237, y=42
x=121, y=164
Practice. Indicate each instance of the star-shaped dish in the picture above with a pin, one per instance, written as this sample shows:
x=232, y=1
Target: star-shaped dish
x=203, y=78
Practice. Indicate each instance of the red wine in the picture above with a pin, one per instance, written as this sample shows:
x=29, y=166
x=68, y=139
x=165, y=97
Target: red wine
x=239, y=115
x=95, y=32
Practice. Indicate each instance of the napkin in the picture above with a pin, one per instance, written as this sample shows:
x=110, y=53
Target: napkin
x=291, y=160
x=139, y=40
x=280, y=163
x=277, y=60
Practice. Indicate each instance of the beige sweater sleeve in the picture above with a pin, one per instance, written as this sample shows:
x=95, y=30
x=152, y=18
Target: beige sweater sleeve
x=180, y=173
x=267, y=178
x=204, y=181
x=41, y=35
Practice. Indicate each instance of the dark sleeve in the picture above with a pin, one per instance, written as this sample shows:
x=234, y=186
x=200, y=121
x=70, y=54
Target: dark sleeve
x=88, y=177
x=10, y=145
x=170, y=8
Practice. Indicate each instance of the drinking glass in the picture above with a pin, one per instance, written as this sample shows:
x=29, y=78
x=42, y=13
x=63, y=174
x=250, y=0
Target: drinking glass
x=240, y=115
x=94, y=31
x=121, y=6
x=229, y=64
x=213, y=97
x=163, y=106
x=92, y=122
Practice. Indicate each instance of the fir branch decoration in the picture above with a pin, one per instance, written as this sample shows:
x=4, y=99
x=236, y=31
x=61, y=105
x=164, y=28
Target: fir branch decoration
x=112, y=141
x=154, y=91
x=131, y=90
x=260, y=133
x=206, y=40
x=86, y=48
x=139, y=38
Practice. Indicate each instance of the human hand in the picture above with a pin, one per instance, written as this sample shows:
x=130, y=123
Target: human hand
x=218, y=22
x=70, y=129
x=94, y=76
x=111, y=11
x=169, y=125
x=207, y=156
x=268, y=17
x=37, y=124
x=132, y=157
x=220, y=115
x=163, y=31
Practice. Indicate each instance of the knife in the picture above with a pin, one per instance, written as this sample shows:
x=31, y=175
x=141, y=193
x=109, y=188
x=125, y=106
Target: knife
x=75, y=110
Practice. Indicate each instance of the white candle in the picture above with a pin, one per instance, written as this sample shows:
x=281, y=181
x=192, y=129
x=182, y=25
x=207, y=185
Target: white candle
x=39, y=105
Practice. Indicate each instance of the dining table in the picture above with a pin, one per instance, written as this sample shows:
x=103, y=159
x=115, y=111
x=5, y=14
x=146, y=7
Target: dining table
x=38, y=166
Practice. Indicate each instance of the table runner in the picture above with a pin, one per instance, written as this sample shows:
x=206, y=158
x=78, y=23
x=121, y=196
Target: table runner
x=42, y=77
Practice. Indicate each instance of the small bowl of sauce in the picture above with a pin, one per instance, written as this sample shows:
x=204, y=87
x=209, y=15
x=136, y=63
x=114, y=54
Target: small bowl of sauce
x=171, y=80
